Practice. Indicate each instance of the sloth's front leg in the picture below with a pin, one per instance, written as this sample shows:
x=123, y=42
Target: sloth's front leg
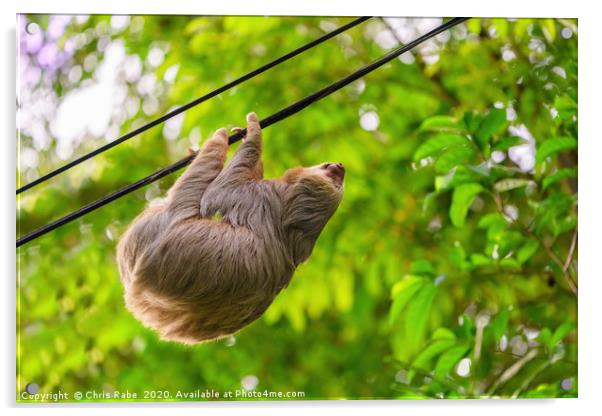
x=184, y=198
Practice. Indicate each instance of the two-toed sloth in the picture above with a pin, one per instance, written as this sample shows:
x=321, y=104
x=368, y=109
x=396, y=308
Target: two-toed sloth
x=225, y=242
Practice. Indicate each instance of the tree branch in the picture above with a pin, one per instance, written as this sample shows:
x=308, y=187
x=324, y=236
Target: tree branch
x=512, y=370
x=569, y=257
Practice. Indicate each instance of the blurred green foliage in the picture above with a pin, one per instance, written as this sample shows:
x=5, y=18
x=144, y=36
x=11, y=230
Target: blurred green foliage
x=449, y=270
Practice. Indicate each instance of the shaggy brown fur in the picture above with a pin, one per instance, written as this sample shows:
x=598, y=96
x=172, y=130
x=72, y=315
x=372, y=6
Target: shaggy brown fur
x=213, y=256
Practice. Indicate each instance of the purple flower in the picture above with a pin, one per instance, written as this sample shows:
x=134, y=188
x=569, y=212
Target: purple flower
x=32, y=42
x=56, y=26
x=48, y=57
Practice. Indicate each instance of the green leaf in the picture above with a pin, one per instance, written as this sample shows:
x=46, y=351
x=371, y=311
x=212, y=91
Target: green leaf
x=478, y=259
x=497, y=172
x=417, y=314
x=510, y=263
x=521, y=27
x=462, y=174
x=545, y=337
x=457, y=256
x=472, y=120
x=493, y=219
x=438, y=143
x=432, y=350
x=462, y=199
x=195, y=25
x=563, y=225
x=443, y=333
x=499, y=324
x=474, y=25
x=508, y=142
x=566, y=107
x=527, y=251
x=441, y=340
x=428, y=202
x=449, y=359
x=402, y=292
x=409, y=332
x=553, y=146
x=482, y=171
x=501, y=26
x=548, y=27
x=444, y=182
x=558, y=176
x=552, y=210
x=561, y=332
x=493, y=122
x=467, y=327
x=422, y=267
x=510, y=183
x=441, y=123
x=452, y=157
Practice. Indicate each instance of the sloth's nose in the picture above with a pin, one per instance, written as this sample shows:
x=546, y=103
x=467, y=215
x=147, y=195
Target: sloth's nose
x=336, y=169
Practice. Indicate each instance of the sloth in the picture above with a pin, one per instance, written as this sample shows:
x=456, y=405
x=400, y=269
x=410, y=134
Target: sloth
x=214, y=254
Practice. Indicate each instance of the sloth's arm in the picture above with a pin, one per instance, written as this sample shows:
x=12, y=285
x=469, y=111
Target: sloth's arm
x=246, y=163
x=184, y=197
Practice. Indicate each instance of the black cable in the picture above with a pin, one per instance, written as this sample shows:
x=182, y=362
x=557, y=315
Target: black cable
x=191, y=104
x=280, y=115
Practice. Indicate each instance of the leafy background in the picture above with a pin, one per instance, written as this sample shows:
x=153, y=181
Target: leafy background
x=449, y=270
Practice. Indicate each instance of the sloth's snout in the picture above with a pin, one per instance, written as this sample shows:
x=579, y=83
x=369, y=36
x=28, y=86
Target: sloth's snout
x=336, y=170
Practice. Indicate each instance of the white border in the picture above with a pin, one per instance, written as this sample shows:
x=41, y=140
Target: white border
x=509, y=8
x=590, y=208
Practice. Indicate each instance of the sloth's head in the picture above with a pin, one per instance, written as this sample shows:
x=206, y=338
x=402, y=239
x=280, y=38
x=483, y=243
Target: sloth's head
x=311, y=197
x=333, y=173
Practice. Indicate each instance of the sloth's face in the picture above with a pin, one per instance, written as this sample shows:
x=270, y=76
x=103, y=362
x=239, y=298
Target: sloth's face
x=311, y=197
x=333, y=172
x=328, y=176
